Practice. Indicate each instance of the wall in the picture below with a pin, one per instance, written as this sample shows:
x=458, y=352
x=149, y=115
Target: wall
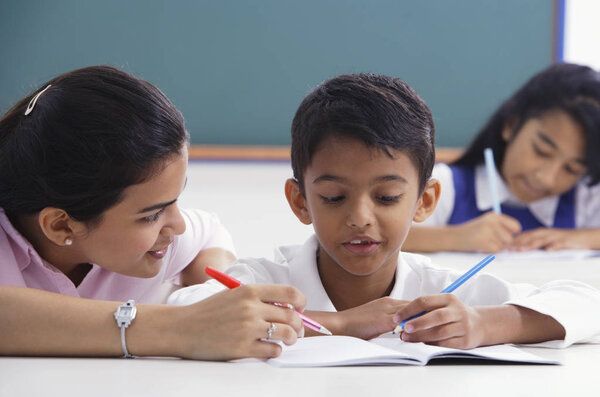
x=238, y=69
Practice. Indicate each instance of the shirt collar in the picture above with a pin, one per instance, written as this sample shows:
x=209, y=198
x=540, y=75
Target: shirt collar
x=304, y=274
x=544, y=209
x=21, y=248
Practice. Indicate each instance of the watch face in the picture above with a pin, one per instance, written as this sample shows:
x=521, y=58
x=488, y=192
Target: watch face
x=125, y=311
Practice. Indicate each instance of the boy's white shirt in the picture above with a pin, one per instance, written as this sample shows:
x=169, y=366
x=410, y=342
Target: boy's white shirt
x=587, y=199
x=575, y=305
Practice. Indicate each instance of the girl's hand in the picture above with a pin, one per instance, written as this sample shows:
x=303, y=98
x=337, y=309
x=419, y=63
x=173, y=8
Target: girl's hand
x=551, y=239
x=369, y=320
x=447, y=322
x=488, y=233
x=231, y=324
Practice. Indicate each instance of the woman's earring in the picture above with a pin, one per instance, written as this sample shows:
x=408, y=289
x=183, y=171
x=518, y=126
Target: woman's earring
x=68, y=241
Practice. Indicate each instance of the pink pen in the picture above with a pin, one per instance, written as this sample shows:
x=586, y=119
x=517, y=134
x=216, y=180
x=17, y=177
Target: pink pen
x=308, y=322
x=231, y=282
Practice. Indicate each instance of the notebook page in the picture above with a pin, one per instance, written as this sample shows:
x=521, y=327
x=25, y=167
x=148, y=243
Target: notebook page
x=321, y=351
x=426, y=353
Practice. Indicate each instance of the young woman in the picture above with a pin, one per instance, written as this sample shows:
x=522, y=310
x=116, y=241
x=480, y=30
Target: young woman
x=91, y=166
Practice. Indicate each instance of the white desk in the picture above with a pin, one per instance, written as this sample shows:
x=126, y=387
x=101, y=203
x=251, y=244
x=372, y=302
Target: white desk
x=173, y=377
x=528, y=268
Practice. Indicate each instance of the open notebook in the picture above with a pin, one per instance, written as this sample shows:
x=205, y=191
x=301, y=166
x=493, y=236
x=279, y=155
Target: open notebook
x=388, y=349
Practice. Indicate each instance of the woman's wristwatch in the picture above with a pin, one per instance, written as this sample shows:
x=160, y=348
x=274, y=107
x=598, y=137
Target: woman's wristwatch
x=124, y=316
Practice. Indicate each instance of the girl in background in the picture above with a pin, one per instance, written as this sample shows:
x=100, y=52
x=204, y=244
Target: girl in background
x=545, y=140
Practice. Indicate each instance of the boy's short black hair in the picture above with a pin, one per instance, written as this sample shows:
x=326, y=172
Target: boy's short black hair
x=382, y=111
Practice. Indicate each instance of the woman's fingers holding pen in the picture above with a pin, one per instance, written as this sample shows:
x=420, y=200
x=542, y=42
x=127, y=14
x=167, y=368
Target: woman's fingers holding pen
x=286, y=294
x=233, y=324
x=287, y=325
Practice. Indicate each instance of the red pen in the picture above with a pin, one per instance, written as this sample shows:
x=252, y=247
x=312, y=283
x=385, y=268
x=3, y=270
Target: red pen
x=231, y=283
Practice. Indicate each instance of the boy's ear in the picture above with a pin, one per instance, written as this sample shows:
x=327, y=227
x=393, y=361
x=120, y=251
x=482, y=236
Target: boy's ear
x=57, y=226
x=428, y=200
x=297, y=201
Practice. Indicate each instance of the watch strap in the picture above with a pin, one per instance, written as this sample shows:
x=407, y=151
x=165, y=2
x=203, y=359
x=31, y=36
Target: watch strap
x=124, y=315
x=126, y=353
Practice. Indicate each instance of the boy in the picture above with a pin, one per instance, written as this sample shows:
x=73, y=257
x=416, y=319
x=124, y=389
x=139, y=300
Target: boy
x=362, y=155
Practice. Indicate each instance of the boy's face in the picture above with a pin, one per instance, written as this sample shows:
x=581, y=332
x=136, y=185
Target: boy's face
x=545, y=158
x=361, y=203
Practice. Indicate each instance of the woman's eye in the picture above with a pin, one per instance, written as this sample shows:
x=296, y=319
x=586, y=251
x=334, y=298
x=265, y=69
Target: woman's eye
x=153, y=217
x=332, y=199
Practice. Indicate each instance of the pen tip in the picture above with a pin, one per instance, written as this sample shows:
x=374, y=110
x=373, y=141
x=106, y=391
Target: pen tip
x=325, y=331
x=398, y=328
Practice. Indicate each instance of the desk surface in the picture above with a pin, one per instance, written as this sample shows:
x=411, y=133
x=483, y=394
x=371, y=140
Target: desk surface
x=173, y=377
x=529, y=267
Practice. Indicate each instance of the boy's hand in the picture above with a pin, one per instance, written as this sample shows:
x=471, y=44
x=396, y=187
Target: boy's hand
x=447, y=322
x=488, y=233
x=551, y=240
x=371, y=319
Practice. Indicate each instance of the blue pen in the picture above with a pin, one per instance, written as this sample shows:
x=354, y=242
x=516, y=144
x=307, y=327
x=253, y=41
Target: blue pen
x=490, y=168
x=459, y=281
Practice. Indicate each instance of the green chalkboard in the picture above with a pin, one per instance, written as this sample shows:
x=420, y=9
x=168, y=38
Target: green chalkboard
x=238, y=69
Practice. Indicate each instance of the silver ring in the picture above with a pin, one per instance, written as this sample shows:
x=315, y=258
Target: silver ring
x=272, y=328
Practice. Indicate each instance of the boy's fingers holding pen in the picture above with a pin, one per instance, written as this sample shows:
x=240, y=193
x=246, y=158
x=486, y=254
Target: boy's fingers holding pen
x=462, y=333
x=445, y=321
x=423, y=305
x=430, y=333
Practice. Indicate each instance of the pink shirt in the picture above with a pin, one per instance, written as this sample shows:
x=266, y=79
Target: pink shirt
x=21, y=266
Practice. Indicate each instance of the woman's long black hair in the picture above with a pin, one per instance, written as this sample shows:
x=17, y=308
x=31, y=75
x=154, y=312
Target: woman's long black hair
x=91, y=134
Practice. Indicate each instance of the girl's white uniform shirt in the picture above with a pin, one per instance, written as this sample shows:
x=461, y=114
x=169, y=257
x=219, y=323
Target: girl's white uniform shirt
x=575, y=305
x=587, y=199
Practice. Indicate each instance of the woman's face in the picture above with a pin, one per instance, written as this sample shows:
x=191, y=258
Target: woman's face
x=545, y=157
x=133, y=236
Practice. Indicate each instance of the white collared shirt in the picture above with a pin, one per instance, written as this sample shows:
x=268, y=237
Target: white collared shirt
x=587, y=200
x=575, y=305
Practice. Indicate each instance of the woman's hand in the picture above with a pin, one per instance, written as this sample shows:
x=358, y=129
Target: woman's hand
x=447, y=322
x=232, y=324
